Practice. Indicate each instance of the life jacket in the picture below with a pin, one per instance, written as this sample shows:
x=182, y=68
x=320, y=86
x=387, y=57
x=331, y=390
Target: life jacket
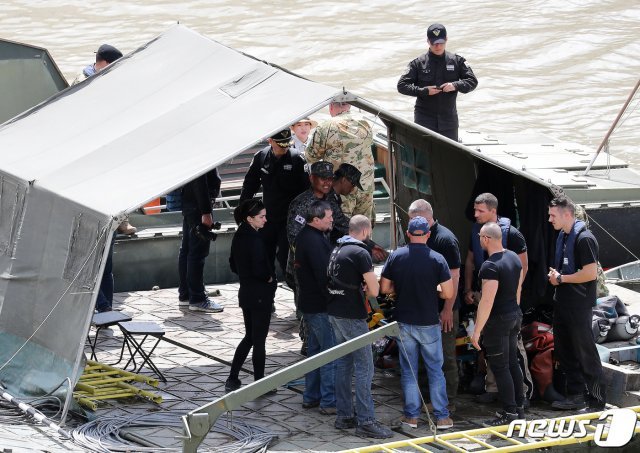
x=565, y=263
x=479, y=255
x=332, y=268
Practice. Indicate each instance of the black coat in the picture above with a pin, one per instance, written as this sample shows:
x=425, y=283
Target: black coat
x=433, y=70
x=249, y=259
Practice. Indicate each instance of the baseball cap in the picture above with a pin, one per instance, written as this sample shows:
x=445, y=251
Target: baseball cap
x=418, y=224
x=351, y=173
x=108, y=53
x=322, y=169
x=283, y=138
x=436, y=33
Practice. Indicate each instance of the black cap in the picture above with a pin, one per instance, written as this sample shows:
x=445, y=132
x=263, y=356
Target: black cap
x=283, y=138
x=351, y=173
x=436, y=33
x=322, y=168
x=108, y=53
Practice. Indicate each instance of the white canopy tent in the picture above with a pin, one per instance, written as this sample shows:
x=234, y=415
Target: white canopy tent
x=73, y=166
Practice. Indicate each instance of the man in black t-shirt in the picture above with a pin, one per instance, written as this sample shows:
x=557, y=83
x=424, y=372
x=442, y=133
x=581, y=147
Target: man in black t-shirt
x=499, y=319
x=485, y=209
x=443, y=241
x=310, y=265
x=574, y=275
x=414, y=273
x=350, y=274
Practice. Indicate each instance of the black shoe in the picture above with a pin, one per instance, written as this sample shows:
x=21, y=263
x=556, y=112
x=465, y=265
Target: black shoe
x=526, y=404
x=310, y=404
x=596, y=406
x=487, y=397
x=520, y=411
x=232, y=384
x=572, y=402
x=345, y=423
x=502, y=418
x=375, y=430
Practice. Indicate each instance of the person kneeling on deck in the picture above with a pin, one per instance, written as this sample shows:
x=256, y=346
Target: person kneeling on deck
x=414, y=273
x=499, y=318
x=311, y=259
x=575, y=278
x=351, y=276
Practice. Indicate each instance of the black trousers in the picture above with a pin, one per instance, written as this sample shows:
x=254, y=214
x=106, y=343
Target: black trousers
x=449, y=129
x=274, y=234
x=191, y=259
x=576, y=353
x=500, y=341
x=256, y=325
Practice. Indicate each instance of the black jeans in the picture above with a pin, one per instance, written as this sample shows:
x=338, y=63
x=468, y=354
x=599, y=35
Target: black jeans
x=576, y=352
x=193, y=252
x=256, y=325
x=500, y=342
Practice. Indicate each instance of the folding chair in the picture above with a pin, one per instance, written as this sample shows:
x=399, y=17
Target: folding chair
x=102, y=321
x=130, y=330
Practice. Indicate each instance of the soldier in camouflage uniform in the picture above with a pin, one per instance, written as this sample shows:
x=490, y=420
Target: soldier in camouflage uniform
x=345, y=139
x=601, y=288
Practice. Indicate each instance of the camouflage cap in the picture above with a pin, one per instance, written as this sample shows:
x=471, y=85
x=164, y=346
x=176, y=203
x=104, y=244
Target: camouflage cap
x=322, y=169
x=283, y=138
x=351, y=173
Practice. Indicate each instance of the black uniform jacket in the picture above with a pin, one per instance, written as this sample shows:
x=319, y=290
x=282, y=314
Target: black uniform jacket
x=250, y=261
x=282, y=180
x=197, y=195
x=433, y=70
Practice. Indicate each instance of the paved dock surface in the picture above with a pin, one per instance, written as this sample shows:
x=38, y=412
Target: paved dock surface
x=194, y=380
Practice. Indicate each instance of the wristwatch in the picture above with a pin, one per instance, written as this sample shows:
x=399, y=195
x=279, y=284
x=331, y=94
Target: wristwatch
x=559, y=279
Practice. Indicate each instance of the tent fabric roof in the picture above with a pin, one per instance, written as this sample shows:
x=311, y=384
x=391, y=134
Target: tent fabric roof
x=157, y=118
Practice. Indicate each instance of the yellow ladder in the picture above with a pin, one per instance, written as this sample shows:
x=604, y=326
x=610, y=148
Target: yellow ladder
x=491, y=439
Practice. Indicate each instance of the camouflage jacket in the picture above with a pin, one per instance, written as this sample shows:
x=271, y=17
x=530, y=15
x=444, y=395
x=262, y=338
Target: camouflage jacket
x=298, y=211
x=344, y=139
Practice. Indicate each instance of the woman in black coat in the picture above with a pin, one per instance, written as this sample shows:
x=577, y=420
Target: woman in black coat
x=250, y=261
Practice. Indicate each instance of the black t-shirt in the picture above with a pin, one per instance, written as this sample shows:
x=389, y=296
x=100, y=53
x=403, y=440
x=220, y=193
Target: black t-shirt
x=505, y=267
x=580, y=295
x=416, y=271
x=443, y=241
x=311, y=259
x=351, y=263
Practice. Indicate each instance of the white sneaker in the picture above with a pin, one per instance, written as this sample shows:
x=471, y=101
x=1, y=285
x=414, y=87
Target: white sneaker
x=208, y=306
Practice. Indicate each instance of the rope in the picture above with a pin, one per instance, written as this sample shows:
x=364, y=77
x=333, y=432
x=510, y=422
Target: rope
x=612, y=237
x=108, y=434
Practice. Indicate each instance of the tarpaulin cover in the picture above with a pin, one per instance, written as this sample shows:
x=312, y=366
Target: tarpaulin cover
x=70, y=168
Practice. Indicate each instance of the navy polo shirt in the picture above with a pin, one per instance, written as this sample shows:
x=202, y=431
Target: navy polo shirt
x=416, y=271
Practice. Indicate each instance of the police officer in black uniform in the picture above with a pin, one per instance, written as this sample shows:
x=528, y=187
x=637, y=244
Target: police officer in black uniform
x=281, y=172
x=435, y=78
